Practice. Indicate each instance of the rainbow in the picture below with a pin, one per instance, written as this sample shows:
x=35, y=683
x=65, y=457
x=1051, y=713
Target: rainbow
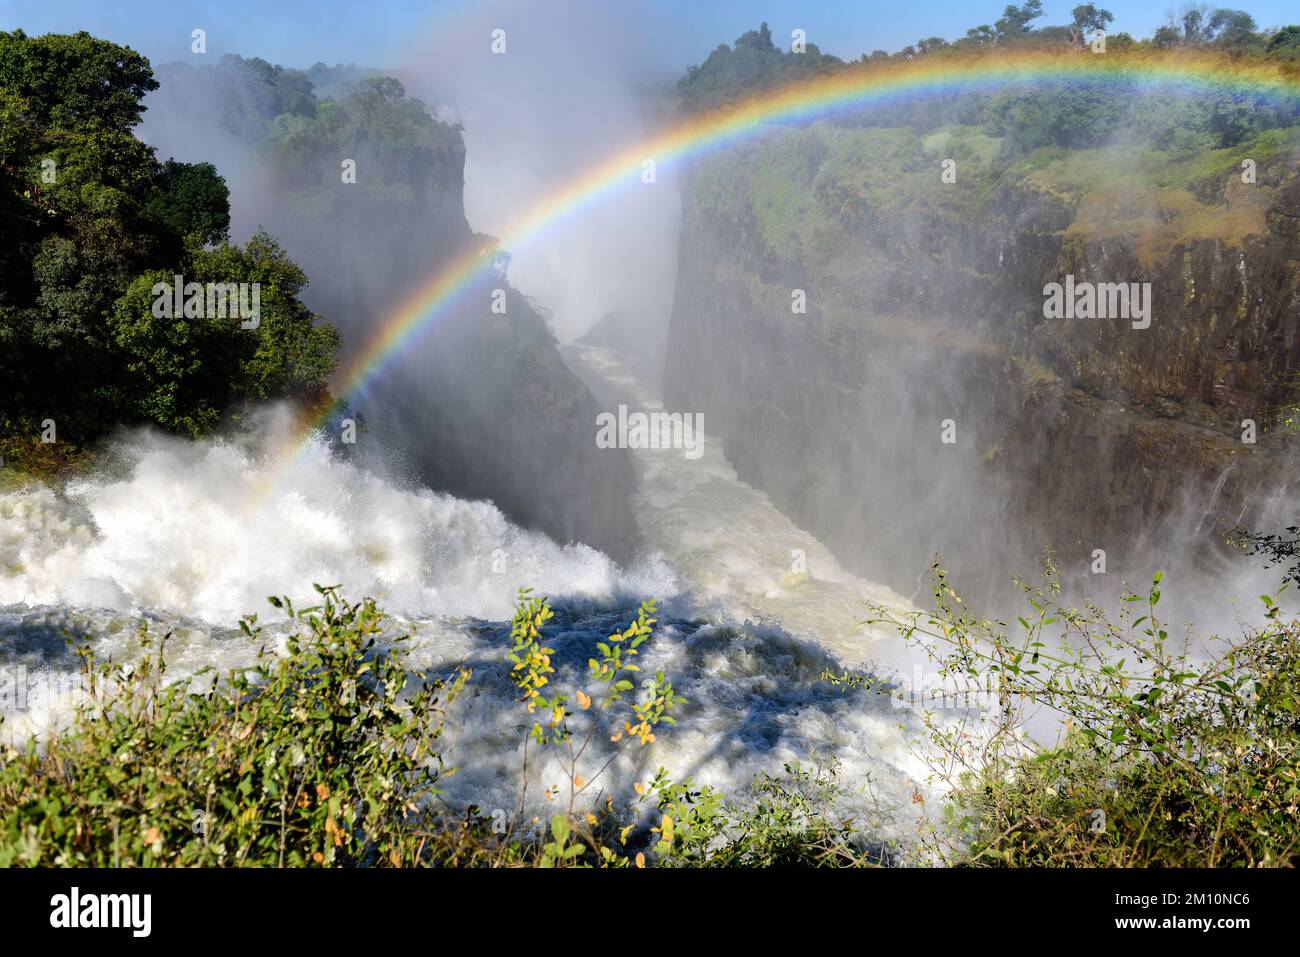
x=852, y=88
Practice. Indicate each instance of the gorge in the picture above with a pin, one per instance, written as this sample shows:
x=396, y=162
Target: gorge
x=803, y=445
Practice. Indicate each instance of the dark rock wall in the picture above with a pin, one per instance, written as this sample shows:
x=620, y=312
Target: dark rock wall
x=1071, y=434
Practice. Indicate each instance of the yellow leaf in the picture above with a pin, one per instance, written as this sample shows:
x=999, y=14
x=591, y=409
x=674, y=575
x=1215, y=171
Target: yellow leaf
x=640, y=859
x=578, y=782
x=584, y=700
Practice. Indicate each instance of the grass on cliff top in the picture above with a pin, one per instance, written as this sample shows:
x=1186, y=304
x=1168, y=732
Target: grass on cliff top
x=1154, y=198
x=1076, y=172
x=1158, y=220
x=809, y=189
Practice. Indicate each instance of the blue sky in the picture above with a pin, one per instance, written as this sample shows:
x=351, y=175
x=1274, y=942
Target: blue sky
x=675, y=32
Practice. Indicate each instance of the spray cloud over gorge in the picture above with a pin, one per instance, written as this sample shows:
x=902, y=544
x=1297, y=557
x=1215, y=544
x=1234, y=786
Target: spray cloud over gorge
x=564, y=94
x=561, y=97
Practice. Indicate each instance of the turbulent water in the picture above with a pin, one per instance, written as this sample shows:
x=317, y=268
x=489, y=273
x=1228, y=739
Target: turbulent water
x=191, y=536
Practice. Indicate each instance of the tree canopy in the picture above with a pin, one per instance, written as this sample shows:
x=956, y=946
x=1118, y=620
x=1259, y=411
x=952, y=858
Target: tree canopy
x=90, y=220
x=754, y=62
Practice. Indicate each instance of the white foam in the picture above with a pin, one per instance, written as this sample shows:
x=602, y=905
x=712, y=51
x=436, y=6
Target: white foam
x=184, y=531
x=186, y=534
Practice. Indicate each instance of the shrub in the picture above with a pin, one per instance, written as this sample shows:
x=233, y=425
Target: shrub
x=788, y=825
x=322, y=755
x=1170, y=753
x=326, y=753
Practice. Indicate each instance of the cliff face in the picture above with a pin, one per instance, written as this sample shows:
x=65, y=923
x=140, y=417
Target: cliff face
x=478, y=404
x=925, y=304
x=481, y=405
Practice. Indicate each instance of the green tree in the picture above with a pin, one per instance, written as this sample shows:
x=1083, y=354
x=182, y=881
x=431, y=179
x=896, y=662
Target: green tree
x=182, y=373
x=1015, y=20
x=1235, y=30
x=90, y=220
x=191, y=200
x=1285, y=40
x=1087, y=20
x=76, y=81
x=1166, y=36
x=755, y=63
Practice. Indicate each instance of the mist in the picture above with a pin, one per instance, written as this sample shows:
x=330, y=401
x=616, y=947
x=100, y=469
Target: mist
x=567, y=92
x=508, y=129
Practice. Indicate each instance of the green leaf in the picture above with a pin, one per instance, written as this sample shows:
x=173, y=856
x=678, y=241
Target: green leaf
x=560, y=828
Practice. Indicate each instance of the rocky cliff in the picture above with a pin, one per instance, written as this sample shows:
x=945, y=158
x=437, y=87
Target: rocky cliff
x=924, y=321
x=365, y=191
